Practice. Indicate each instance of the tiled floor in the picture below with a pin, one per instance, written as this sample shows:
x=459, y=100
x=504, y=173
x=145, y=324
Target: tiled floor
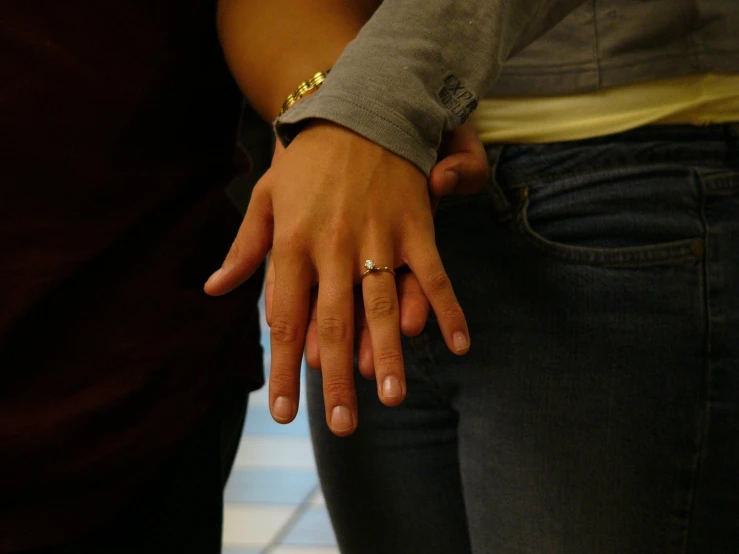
x=273, y=500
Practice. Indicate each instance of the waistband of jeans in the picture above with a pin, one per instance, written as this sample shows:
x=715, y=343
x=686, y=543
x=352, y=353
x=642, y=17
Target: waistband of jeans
x=506, y=192
x=680, y=133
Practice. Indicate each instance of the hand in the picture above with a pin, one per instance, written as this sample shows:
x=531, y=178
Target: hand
x=335, y=199
x=462, y=169
x=463, y=165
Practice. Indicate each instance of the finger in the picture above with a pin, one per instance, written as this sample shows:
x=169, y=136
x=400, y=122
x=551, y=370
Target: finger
x=383, y=320
x=365, y=362
x=335, y=309
x=414, y=306
x=248, y=250
x=269, y=288
x=464, y=170
x=427, y=266
x=290, y=306
x=312, y=350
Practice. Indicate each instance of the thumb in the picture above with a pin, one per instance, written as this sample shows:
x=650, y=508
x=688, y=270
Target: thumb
x=249, y=249
x=464, y=169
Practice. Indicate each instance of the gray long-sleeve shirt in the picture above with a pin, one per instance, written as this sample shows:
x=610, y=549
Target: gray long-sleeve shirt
x=419, y=67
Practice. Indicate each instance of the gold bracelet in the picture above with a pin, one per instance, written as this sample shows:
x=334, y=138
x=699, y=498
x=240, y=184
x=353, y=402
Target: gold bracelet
x=305, y=88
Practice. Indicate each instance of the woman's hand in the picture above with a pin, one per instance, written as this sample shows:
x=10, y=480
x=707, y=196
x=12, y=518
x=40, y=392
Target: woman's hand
x=332, y=200
x=462, y=169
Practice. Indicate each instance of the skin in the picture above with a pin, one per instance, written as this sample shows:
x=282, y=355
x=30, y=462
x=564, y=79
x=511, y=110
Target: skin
x=330, y=201
x=271, y=47
x=463, y=169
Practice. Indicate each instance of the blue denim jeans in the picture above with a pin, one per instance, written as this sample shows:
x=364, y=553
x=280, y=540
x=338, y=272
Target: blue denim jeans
x=597, y=411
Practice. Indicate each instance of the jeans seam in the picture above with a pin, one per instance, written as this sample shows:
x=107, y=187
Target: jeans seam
x=706, y=415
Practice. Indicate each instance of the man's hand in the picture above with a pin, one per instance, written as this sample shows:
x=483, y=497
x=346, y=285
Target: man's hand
x=332, y=200
x=463, y=165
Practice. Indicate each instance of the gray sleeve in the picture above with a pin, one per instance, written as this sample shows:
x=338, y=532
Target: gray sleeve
x=418, y=68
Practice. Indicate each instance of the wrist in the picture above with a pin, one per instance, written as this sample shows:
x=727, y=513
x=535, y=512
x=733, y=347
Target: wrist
x=305, y=89
x=272, y=47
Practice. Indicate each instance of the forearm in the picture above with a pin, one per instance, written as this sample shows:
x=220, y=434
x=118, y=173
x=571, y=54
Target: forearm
x=272, y=46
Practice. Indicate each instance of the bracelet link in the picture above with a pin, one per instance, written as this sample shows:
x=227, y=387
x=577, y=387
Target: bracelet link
x=304, y=89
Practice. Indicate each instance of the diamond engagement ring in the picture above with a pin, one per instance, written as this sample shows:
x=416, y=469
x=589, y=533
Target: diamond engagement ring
x=370, y=267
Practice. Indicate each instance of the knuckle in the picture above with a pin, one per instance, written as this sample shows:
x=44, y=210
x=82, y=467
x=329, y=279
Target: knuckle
x=281, y=383
x=451, y=312
x=289, y=242
x=284, y=331
x=380, y=307
x=337, y=389
x=389, y=358
x=333, y=329
x=438, y=282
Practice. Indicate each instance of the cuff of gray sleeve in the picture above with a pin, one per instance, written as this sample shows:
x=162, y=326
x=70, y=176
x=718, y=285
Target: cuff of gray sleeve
x=363, y=116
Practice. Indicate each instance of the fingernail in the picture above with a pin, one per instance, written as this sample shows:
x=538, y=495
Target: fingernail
x=391, y=387
x=214, y=277
x=461, y=342
x=282, y=409
x=341, y=419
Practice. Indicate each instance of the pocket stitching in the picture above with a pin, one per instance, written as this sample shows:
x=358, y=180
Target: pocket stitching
x=652, y=254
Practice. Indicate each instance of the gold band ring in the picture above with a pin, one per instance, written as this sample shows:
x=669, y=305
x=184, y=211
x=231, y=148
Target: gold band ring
x=370, y=267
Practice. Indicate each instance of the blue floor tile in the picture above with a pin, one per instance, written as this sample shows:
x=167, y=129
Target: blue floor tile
x=312, y=529
x=270, y=486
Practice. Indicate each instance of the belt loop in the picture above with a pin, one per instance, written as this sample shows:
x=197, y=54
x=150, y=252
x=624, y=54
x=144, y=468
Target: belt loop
x=500, y=202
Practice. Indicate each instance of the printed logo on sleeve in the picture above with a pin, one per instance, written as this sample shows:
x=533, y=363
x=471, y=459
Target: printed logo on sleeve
x=458, y=101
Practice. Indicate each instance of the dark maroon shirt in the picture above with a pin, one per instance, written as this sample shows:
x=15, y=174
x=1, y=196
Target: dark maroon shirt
x=119, y=122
